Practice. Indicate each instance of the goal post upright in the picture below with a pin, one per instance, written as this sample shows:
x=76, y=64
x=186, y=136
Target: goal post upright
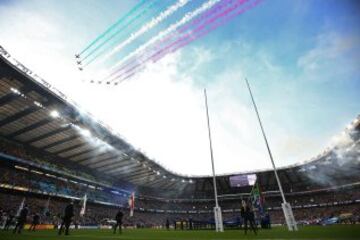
x=217, y=210
x=288, y=213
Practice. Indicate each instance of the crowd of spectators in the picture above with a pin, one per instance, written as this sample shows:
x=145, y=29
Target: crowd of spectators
x=36, y=181
x=97, y=213
x=46, y=161
x=38, y=186
x=49, y=185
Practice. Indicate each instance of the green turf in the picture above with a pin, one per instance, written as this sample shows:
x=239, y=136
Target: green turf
x=338, y=232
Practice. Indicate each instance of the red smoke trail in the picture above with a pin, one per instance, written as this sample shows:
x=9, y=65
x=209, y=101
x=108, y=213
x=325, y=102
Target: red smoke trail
x=197, y=33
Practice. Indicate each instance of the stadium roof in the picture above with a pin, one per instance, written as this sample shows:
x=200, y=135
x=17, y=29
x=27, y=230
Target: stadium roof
x=34, y=114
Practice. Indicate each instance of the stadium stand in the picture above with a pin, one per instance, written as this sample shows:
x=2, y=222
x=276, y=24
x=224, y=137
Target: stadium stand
x=46, y=158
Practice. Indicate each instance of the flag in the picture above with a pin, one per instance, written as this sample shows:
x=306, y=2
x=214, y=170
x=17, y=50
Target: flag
x=257, y=199
x=132, y=204
x=20, y=207
x=83, y=208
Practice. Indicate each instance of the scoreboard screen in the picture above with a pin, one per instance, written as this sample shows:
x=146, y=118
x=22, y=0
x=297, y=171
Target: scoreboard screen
x=242, y=180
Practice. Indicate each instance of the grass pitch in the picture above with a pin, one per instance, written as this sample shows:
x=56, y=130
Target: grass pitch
x=338, y=232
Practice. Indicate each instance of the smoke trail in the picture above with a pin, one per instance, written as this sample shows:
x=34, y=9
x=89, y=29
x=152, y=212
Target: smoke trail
x=131, y=58
x=122, y=19
x=161, y=17
x=107, y=40
x=188, y=16
x=193, y=35
x=139, y=62
x=161, y=43
x=198, y=32
x=127, y=77
x=197, y=20
x=207, y=14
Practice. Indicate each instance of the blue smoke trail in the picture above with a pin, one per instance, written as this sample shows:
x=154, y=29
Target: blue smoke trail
x=118, y=22
x=107, y=40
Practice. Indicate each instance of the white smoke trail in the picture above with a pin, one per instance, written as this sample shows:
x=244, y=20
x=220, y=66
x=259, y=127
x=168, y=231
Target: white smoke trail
x=188, y=16
x=154, y=22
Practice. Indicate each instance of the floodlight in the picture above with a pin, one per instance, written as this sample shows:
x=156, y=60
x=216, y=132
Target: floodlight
x=16, y=91
x=54, y=114
x=38, y=104
x=85, y=132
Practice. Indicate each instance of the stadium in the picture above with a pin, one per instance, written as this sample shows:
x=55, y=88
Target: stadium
x=52, y=153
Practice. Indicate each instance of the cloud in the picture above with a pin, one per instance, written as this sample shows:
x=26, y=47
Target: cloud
x=330, y=47
x=162, y=109
x=162, y=112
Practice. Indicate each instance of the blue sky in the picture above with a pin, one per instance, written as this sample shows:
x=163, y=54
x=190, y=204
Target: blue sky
x=301, y=57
